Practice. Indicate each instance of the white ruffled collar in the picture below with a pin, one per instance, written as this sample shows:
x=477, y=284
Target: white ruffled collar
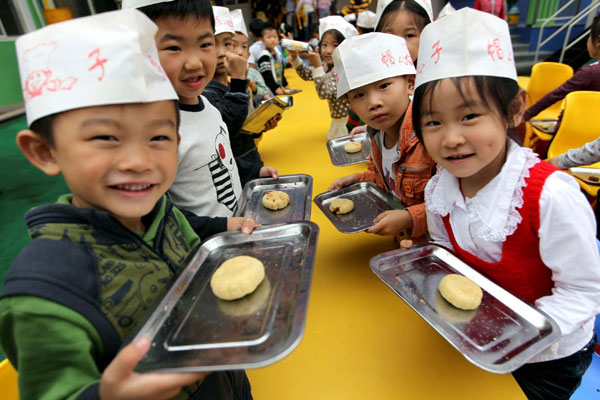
x=495, y=206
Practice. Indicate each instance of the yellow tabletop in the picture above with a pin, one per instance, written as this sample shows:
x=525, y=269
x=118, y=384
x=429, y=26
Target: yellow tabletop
x=361, y=340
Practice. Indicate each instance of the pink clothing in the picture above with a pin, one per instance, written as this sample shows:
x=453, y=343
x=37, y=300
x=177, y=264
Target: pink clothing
x=486, y=5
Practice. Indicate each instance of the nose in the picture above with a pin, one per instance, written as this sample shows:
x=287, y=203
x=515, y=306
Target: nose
x=452, y=137
x=193, y=62
x=135, y=157
x=374, y=101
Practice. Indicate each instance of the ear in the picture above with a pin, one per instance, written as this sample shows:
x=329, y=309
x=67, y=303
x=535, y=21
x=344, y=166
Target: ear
x=517, y=109
x=38, y=152
x=410, y=81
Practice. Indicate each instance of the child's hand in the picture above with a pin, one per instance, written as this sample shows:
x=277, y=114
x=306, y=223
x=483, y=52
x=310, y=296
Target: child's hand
x=119, y=381
x=406, y=244
x=244, y=225
x=252, y=86
x=268, y=172
x=236, y=65
x=272, y=123
x=314, y=59
x=293, y=54
x=554, y=161
x=341, y=182
x=358, y=129
x=279, y=91
x=391, y=222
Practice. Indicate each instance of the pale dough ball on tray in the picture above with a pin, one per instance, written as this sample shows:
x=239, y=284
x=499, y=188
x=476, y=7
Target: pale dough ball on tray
x=451, y=313
x=461, y=292
x=276, y=200
x=352, y=147
x=341, y=206
x=250, y=304
x=237, y=277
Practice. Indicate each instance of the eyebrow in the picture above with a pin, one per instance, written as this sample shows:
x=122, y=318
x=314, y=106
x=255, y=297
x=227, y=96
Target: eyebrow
x=465, y=104
x=99, y=121
x=163, y=122
x=170, y=36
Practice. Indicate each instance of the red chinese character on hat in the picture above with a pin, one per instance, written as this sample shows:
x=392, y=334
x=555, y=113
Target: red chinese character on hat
x=437, y=51
x=387, y=57
x=494, y=48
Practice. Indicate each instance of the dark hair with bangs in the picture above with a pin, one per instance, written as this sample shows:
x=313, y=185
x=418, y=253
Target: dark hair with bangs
x=256, y=26
x=267, y=26
x=181, y=9
x=595, y=30
x=45, y=125
x=337, y=36
x=496, y=94
x=418, y=12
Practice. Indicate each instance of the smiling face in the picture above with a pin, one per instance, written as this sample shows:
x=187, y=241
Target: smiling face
x=187, y=54
x=463, y=135
x=401, y=23
x=328, y=45
x=382, y=104
x=118, y=158
x=240, y=45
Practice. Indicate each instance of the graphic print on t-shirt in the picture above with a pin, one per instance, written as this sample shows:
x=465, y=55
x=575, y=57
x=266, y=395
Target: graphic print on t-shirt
x=220, y=167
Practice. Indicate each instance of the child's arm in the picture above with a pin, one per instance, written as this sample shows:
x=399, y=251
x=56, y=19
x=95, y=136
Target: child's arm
x=265, y=69
x=303, y=71
x=233, y=106
x=326, y=85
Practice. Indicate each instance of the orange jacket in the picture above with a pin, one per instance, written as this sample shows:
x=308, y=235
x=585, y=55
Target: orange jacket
x=412, y=172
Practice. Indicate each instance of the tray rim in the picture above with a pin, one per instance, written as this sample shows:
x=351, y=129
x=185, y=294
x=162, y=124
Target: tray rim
x=494, y=290
x=555, y=120
x=586, y=170
x=346, y=139
x=243, y=201
x=324, y=196
x=157, y=318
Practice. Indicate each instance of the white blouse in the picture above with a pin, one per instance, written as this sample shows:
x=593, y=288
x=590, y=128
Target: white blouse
x=567, y=235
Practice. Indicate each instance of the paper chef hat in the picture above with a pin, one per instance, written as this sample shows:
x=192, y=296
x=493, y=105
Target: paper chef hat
x=465, y=43
x=366, y=19
x=369, y=58
x=223, y=21
x=238, y=22
x=350, y=17
x=339, y=24
x=140, y=3
x=382, y=5
x=108, y=58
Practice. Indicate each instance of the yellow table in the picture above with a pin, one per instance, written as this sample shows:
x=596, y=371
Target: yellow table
x=361, y=340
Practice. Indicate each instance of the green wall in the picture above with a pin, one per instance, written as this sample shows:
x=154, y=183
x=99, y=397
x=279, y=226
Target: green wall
x=9, y=75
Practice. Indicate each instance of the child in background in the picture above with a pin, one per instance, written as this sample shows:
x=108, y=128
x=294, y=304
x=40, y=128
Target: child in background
x=257, y=46
x=101, y=256
x=514, y=218
x=365, y=22
x=270, y=63
x=399, y=163
x=332, y=31
x=209, y=178
x=587, y=78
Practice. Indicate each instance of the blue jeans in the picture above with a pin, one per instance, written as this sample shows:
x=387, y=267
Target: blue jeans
x=556, y=379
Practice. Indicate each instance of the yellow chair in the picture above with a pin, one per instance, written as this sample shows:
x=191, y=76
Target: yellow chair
x=580, y=124
x=545, y=77
x=8, y=381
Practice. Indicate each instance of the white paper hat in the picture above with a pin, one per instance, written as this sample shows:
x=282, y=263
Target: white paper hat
x=238, y=22
x=465, y=43
x=350, y=17
x=223, y=21
x=382, y=5
x=447, y=9
x=140, y=3
x=339, y=24
x=366, y=19
x=108, y=58
x=369, y=58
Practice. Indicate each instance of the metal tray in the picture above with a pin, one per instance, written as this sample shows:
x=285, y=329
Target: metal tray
x=587, y=174
x=369, y=201
x=298, y=187
x=192, y=330
x=502, y=334
x=546, y=125
x=338, y=155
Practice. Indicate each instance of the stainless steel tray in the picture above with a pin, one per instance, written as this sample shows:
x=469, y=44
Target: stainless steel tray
x=369, y=201
x=298, y=187
x=338, y=155
x=502, y=334
x=546, y=125
x=192, y=330
x=587, y=174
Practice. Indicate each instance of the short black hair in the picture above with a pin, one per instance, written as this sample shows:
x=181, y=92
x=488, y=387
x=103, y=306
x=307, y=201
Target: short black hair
x=181, y=9
x=267, y=26
x=256, y=26
x=337, y=35
x=45, y=125
x=417, y=11
x=495, y=92
x=595, y=30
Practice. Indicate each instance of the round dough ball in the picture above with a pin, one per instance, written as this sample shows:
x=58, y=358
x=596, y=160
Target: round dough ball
x=276, y=200
x=341, y=206
x=237, y=277
x=249, y=304
x=461, y=292
x=451, y=313
x=352, y=147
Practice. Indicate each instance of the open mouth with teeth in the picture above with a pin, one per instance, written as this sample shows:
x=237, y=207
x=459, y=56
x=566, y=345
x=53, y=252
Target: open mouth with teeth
x=133, y=188
x=194, y=79
x=459, y=157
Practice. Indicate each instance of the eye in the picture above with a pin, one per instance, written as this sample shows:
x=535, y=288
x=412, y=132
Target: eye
x=160, y=138
x=357, y=95
x=228, y=44
x=409, y=35
x=469, y=117
x=385, y=85
x=173, y=48
x=431, y=123
x=206, y=45
x=105, y=138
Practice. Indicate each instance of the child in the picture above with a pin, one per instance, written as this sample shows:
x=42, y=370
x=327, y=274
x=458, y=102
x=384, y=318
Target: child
x=399, y=163
x=332, y=31
x=365, y=22
x=514, y=218
x=106, y=119
x=270, y=63
x=587, y=78
x=209, y=178
x=257, y=46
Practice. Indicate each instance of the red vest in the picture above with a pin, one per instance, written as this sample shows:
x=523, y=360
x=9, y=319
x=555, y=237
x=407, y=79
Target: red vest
x=520, y=270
